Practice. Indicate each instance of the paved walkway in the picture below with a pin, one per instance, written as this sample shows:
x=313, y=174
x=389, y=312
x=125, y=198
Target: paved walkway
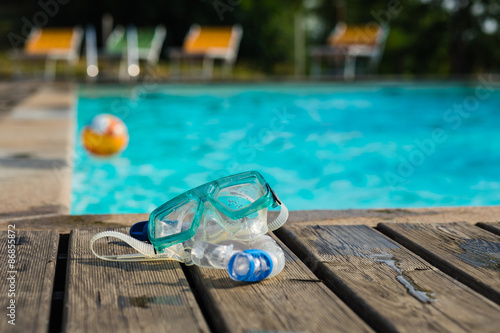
x=12, y=94
x=34, y=141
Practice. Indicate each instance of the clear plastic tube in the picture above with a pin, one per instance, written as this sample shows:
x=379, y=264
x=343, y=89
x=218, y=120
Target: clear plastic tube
x=245, y=261
x=211, y=255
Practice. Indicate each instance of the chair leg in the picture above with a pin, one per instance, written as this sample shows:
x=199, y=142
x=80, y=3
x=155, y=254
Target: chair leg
x=175, y=68
x=349, y=67
x=373, y=64
x=192, y=68
x=227, y=69
x=50, y=69
x=70, y=68
x=149, y=69
x=67, y=70
x=208, y=67
x=122, y=71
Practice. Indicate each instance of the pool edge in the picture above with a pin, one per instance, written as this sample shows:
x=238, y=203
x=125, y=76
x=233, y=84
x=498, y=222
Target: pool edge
x=36, y=140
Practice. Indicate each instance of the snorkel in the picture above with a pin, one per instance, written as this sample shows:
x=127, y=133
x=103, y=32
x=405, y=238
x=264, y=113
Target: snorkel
x=221, y=224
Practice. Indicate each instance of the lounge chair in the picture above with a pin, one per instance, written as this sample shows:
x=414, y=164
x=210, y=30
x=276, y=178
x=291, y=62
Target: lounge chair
x=114, y=51
x=129, y=47
x=51, y=45
x=209, y=44
x=149, y=44
x=121, y=45
x=349, y=43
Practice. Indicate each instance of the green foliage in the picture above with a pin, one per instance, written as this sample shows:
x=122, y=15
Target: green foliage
x=442, y=37
x=268, y=31
x=426, y=36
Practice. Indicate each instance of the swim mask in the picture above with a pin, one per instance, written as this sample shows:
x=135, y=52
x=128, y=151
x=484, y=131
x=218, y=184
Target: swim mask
x=232, y=208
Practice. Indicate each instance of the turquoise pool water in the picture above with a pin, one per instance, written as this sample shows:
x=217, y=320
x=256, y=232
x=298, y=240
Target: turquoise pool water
x=320, y=146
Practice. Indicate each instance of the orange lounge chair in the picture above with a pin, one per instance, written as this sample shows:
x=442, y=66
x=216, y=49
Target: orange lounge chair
x=351, y=42
x=52, y=44
x=209, y=44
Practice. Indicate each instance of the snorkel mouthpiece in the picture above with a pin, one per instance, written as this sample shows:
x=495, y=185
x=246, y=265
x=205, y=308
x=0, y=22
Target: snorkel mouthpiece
x=250, y=265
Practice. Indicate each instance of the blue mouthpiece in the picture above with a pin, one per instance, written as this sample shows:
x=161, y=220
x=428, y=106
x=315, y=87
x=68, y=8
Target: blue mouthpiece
x=250, y=265
x=140, y=231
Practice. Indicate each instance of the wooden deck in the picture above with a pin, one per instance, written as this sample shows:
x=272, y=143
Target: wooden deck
x=394, y=277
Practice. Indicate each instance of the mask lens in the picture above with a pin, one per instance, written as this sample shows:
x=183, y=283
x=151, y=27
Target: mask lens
x=239, y=196
x=176, y=219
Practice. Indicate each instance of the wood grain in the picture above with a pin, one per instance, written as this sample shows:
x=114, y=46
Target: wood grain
x=465, y=252
x=493, y=227
x=103, y=296
x=367, y=270
x=293, y=301
x=36, y=254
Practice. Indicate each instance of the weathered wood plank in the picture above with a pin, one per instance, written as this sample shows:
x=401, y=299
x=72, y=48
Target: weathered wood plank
x=493, y=227
x=35, y=259
x=390, y=287
x=295, y=300
x=465, y=252
x=104, y=296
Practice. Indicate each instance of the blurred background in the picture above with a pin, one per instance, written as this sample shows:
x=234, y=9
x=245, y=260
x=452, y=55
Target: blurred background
x=443, y=38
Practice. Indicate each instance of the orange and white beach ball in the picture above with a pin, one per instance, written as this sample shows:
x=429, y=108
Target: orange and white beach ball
x=106, y=135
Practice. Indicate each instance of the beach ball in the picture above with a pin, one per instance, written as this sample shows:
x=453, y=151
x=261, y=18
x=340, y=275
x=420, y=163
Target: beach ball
x=106, y=135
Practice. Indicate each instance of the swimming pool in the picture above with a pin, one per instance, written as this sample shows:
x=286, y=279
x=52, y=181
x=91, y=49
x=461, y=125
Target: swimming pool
x=320, y=146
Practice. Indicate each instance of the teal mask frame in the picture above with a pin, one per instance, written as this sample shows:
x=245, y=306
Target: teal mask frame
x=209, y=192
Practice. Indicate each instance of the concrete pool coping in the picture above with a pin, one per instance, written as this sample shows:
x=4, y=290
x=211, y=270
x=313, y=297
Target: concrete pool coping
x=36, y=137
x=36, y=151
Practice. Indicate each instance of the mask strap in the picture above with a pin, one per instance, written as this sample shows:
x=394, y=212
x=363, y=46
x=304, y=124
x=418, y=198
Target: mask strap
x=280, y=219
x=146, y=251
